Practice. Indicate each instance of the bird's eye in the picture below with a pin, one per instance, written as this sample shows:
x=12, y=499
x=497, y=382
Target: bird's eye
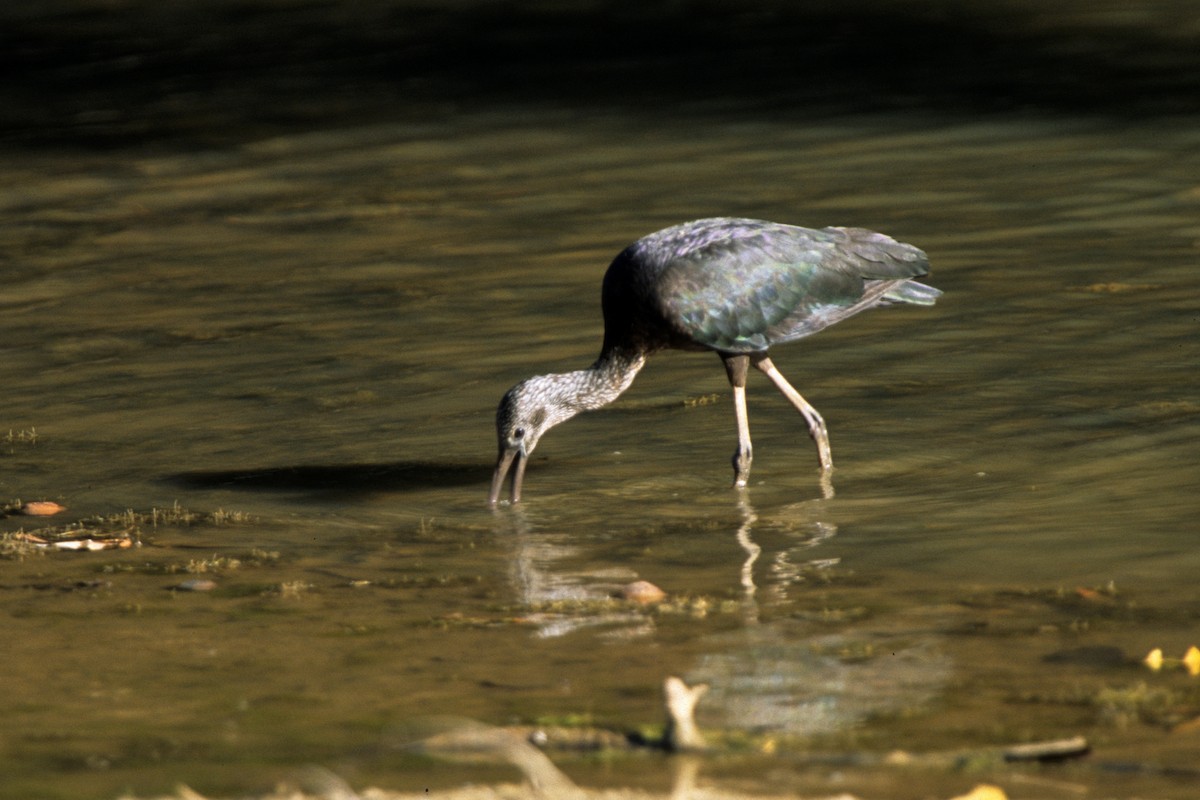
x=519, y=433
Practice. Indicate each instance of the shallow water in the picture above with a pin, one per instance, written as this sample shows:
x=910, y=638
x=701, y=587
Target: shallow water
x=312, y=328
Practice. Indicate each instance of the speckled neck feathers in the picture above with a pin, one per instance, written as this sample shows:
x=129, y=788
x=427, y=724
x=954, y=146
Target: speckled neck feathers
x=536, y=405
x=588, y=389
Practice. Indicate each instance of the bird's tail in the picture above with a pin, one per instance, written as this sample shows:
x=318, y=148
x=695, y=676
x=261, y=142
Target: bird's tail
x=911, y=292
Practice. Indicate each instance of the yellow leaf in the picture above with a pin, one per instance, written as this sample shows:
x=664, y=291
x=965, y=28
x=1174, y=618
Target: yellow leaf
x=1191, y=661
x=984, y=791
x=1154, y=660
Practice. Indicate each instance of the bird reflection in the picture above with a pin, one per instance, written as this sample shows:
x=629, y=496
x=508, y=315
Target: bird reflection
x=563, y=598
x=773, y=671
x=749, y=589
x=806, y=528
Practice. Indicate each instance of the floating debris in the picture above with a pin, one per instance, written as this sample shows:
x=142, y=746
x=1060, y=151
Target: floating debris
x=468, y=741
x=984, y=791
x=1056, y=750
x=1115, y=287
x=110, y=532
x=42, y=508
x=195, y=585
x=118, y=542
x=28, y=435
x=1155, y=661
x=1191, y=661
x=702, y=400
x=1106, y=594
x=681, y=732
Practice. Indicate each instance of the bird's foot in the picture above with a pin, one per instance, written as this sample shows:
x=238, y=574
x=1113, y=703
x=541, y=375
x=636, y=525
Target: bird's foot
x=826, y=482
x=824, y=453
x=741, y=468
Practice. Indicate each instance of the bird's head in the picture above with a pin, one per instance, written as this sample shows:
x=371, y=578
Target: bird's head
x=524, y=414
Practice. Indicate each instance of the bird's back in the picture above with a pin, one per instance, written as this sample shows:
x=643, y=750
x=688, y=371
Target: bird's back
x=740, y=285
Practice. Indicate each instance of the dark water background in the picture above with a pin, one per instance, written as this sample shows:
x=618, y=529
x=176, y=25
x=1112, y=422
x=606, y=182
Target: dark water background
x=283, y=258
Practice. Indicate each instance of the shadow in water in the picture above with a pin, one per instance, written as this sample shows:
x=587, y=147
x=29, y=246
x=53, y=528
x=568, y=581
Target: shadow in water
x=318, y=482
x=229, y=70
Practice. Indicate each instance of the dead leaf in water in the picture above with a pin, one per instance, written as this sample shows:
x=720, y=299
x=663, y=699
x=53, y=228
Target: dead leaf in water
x=42, y=508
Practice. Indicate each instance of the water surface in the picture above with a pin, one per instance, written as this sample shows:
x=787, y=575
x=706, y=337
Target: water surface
x=312, y=328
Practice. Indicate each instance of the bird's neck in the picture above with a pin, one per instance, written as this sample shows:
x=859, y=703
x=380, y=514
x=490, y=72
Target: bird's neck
x=611, y=375
x=598, y=385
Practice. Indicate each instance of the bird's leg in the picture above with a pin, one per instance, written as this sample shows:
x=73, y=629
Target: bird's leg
x=816, y=425
x=736, y=367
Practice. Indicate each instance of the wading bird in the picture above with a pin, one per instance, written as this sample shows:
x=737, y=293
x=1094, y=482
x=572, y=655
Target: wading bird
x=732, y=286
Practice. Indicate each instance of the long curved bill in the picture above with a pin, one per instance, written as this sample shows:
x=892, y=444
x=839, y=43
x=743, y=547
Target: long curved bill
x=503, y=464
